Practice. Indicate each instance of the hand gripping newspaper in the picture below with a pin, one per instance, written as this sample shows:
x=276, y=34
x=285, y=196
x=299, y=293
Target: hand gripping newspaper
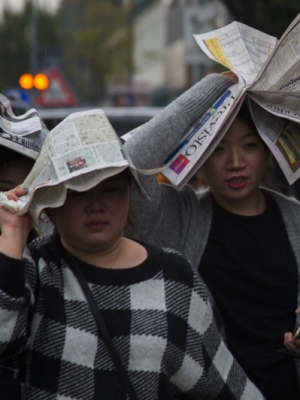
x=269, y=81
x=82, y=141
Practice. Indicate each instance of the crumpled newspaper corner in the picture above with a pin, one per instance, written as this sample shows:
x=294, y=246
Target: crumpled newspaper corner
x=11, y=205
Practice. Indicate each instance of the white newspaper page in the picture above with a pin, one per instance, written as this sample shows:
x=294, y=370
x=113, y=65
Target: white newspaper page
x=24, y=133
x=21, y=128
x=239, y=48
x=79, y=143
x=278, y=87
x=73, y=151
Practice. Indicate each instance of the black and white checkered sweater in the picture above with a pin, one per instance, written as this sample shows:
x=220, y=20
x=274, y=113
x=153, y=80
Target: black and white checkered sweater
x=159, y=316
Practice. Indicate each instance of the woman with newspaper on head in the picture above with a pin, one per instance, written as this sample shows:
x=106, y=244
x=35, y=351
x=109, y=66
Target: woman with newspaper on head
x=21, y=139
x=143, y=341
x=243, y=239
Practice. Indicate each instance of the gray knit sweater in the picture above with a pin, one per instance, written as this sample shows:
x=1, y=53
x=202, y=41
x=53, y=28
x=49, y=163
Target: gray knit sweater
x=182, y=219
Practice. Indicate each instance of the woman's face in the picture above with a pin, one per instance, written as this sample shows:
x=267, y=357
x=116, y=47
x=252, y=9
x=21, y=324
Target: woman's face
x=236, y=167
x=94, y=220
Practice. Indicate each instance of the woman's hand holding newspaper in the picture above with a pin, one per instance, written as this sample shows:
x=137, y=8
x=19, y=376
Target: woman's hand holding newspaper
x=231, y=75
x=14, y=229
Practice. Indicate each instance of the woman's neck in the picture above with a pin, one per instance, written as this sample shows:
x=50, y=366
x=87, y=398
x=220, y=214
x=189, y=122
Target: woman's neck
x=124, y=253
x=251, y=206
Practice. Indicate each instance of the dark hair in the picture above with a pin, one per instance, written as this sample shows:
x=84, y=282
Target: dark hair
x=7, y=155
x=126, y=172
x=245, y=115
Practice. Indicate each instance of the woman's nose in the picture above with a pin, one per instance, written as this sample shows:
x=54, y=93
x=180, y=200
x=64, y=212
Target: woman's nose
x=95, y=202
x=235, y=159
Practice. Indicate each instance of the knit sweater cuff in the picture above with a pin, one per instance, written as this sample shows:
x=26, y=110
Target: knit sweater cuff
x=190, y=102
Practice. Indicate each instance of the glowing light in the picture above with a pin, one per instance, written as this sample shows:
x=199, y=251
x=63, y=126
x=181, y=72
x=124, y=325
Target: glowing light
x=26, y=81
x=40, y=81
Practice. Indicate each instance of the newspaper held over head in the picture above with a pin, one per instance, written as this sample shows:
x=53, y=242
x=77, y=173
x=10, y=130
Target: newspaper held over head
x=269, y=81
x=77, y=154
x=24, y=133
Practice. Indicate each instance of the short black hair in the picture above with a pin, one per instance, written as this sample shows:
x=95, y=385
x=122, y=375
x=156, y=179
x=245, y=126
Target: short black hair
x=7, y=155
x=245, y=115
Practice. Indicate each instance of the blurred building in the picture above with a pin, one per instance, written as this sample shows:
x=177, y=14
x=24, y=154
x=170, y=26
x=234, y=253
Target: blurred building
x=166, y=57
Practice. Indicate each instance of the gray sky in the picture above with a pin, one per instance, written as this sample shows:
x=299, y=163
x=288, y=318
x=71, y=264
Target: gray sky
x=50, y=5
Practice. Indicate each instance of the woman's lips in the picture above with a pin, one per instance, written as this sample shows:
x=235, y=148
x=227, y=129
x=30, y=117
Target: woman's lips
x=237, y=182
x=98, y=224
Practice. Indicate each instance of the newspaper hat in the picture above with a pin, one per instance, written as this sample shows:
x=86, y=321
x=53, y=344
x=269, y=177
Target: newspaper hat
x=24, y=134
x=80, y=152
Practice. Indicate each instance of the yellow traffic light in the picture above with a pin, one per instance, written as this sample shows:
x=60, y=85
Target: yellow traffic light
x=40, y=81
x=26, y=81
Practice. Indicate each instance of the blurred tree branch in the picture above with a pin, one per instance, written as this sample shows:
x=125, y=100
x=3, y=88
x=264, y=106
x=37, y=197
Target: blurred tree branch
x=15, y=42
x=96, y=42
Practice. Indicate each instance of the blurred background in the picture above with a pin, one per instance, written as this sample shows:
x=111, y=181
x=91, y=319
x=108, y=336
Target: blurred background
x=120, y=52
x=129, y=55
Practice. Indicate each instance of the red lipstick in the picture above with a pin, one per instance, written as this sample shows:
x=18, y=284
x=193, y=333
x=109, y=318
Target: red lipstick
x=237, y=182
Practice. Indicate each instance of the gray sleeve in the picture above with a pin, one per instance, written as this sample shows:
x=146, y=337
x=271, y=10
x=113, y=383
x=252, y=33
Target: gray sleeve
x=156, y=139
x=150, y=147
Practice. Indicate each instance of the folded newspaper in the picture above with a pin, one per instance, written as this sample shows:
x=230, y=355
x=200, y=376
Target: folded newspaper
x=269, y=80
x=77, y=154
x=25, y=133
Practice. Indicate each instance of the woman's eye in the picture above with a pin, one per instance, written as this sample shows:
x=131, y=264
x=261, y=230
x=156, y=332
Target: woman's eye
x=251, y=145
x=218, y=149
x=111, y=189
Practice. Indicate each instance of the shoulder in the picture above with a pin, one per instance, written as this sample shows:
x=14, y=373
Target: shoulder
x=204, y=196
x=44, y=247
x=174, y=266
x=285, y=203
x=168, y=255
x=184, y=289
x=188, y=196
